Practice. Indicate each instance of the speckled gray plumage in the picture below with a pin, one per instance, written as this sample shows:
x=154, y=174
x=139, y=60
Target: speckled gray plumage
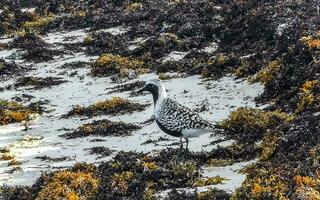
x=176, y=118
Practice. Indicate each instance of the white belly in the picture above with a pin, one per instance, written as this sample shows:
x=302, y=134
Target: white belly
x=189, y=133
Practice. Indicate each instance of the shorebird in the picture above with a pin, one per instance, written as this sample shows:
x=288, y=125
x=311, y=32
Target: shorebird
x=173, y=118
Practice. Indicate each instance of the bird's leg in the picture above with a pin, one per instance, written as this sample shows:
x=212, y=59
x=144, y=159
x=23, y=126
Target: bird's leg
x=181, y=150
x=186, y=152
x=181, y=144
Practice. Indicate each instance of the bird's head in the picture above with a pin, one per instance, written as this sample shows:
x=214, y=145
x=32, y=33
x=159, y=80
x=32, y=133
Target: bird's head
x=151, y=86
x=155, y=87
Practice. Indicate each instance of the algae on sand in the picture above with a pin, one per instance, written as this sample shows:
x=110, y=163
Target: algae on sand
x=113, y=106
x=281, y=52
x=103, y=128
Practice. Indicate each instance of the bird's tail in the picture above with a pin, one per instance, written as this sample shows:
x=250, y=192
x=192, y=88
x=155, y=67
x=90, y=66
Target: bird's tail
x=216, y=129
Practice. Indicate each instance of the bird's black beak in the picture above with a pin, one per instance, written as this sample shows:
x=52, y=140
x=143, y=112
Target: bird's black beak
x=141, y=90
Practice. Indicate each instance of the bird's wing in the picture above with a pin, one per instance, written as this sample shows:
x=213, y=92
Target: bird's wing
x=177, y=117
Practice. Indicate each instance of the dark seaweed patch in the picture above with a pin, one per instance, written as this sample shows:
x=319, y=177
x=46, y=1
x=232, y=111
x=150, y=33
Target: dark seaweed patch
x=38, y=82
x=41, y=54
x=11, y=69
x=102, y=42
x=36, y=48
x=119, y=66
x=50, y=159
x=103, y=128
x=75, y=65
x=27, y=41
x=18, y=192
x=160, y=139
x=249, y=125
x=38, y=106
x=295, y=174
x=127, y=87
x=114, y=106
x=100, y=151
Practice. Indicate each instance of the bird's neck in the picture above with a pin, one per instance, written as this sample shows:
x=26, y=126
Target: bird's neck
x=159, y=94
